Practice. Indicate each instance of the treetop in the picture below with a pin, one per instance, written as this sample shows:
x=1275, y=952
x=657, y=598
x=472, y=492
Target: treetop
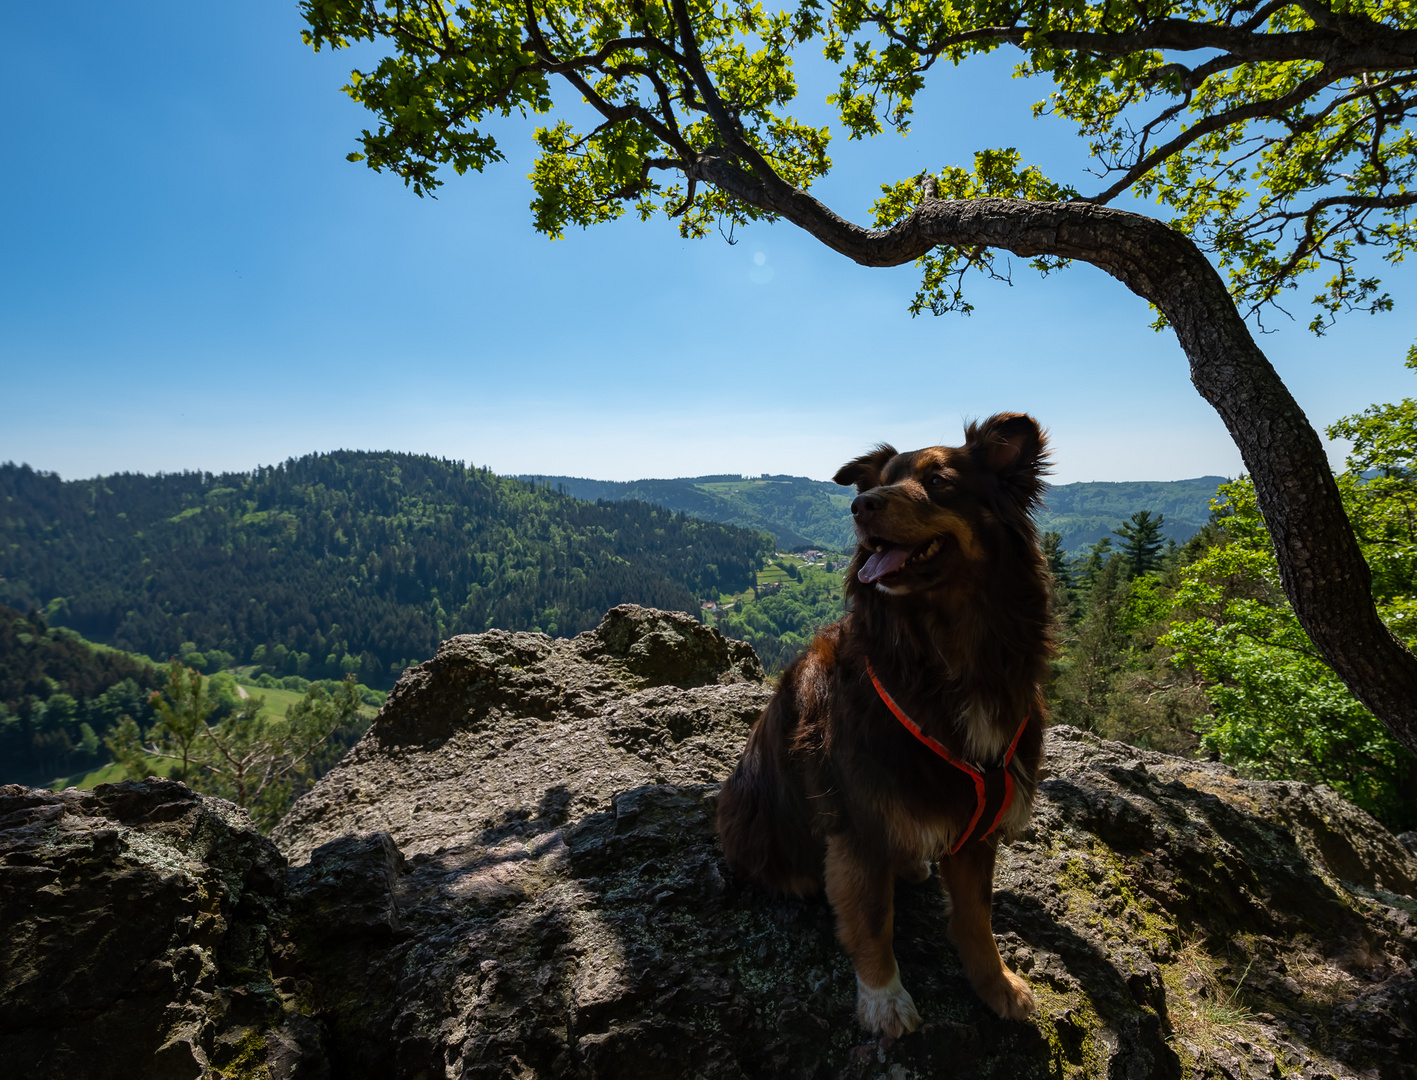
x=1274, y=133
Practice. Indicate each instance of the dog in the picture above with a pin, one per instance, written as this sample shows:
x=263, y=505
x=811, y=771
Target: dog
x=910, y=732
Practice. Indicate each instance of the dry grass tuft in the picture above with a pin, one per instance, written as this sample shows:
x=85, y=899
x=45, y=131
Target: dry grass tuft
x=1209, y=1011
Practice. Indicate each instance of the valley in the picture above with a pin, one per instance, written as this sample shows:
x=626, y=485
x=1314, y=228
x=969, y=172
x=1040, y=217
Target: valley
x=800, y=512
x=358, y=564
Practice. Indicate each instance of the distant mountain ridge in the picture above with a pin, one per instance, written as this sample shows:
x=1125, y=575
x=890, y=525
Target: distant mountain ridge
x=1085, y=512
x=801, y=512
x=798, y=511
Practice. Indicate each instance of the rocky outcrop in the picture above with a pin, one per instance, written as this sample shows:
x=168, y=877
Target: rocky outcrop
x=515, y=874
x=143, y=928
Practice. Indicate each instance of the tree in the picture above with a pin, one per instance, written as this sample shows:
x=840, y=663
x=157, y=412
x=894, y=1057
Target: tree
x=1142, y=549
x=260, y=762
x=1276, y=710
x=1052, y=545
x=1095, y=647
x=1282, y=148
x=182, y=708
x=256, y=761
x=1086, y=568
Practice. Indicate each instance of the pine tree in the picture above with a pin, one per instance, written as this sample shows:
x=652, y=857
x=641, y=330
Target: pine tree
x=1084, y=570
x=1096, y=645
x=1051, y=543
x=1142, y=542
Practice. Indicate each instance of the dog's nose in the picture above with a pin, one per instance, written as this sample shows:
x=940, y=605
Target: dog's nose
x=868, y=502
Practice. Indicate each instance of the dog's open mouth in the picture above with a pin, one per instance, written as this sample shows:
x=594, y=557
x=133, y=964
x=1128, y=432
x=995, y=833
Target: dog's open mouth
x=890, y=558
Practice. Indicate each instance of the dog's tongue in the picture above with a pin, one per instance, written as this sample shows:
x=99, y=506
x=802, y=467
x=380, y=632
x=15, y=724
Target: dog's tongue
x=882, y=563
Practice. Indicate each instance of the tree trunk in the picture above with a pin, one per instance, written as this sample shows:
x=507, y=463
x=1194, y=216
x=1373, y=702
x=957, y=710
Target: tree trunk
x=1321, y=568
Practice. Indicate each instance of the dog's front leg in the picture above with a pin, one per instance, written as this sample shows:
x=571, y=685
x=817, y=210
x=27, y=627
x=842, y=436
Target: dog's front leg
x=969, y=877
x=861, y=890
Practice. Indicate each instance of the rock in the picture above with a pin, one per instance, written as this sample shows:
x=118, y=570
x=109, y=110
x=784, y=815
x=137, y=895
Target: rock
x=516, y=874
x=512, y=734
x=142, y=927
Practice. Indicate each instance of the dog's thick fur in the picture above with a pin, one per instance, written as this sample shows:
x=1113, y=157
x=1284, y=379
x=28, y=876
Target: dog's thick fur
x=832, y=790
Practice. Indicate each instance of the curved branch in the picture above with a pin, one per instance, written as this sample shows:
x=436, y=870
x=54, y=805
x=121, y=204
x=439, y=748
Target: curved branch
x=1254, y=110
x=733, y=135
x=1364, y=45
x=1322, y=570
x=612, y=113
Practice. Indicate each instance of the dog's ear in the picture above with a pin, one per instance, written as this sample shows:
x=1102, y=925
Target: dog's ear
x=1015, y=448
x=865, y=471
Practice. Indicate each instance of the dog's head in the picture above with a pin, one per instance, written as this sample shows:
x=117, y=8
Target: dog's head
x=926, y=518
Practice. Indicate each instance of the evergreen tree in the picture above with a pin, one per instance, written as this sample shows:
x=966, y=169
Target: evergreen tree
x=1057, y=558
x=256, y=761
x=1052, y=544
x=182, y=708
x=1094, y=649
x=1084, y=570
x=1143, y=542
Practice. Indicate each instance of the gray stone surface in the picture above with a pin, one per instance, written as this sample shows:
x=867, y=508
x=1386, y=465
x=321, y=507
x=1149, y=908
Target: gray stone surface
x=515, y=875
x=142, y=933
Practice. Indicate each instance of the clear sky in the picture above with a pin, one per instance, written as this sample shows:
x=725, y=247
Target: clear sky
x=193, y=277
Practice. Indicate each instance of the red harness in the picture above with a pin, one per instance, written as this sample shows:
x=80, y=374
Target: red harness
x=993, y=787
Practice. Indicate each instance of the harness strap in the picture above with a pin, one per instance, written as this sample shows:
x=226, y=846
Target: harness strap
x=992, y=788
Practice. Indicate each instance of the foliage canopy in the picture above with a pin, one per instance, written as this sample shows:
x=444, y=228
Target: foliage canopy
x=1276, y=132
x=1276, y=709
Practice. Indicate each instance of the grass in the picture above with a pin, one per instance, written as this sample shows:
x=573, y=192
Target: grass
x=727, y=487
x=773, y=574
x=108, y=774
x=1215, y=1010
x=276, y=702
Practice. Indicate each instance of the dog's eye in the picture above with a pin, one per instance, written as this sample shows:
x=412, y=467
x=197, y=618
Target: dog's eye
x=938, y=481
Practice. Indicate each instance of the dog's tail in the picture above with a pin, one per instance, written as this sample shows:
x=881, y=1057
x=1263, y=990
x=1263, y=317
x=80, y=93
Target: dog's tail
x=763, y=818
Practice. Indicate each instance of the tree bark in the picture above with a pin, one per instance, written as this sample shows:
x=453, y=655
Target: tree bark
x=1321, y=568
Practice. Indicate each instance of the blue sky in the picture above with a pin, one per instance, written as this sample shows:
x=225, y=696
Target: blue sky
x=192, y=276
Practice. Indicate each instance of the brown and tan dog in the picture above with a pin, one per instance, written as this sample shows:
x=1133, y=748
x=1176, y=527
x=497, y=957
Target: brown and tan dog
x=945, y=642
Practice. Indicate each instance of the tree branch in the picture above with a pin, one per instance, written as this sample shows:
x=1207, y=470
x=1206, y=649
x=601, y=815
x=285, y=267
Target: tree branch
x=1378, y=48
x=1321, y=567
x=1254, y=110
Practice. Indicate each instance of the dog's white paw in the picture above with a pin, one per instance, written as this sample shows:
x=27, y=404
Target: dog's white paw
x=888, y=1010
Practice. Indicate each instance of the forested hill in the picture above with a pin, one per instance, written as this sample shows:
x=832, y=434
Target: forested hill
x=1086, y=512
x=801, y=512
x=339, y=562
